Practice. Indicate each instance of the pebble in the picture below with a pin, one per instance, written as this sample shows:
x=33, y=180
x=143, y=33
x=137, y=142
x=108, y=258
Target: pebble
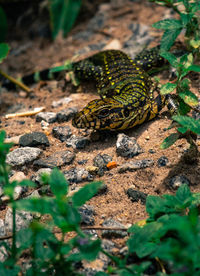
x=17, y=176
x=14, y=140
x=126, y=146
x=60, y=102
x=87, y=214
x=77, y=175
x=49, y=117
x=34, y=194
x=56, y=159
x=92, y=169
x=77, y=142
x=66, y=114
x=34, y=139
x=136, y=195
x=3, y=251
x=23, y=219
x=101, y=161
x=37, y=177
x=162, y=161
x=135, y=165
x=176, y=181
x=22, y=156
x=82, y=162
x=62, y=132
x=113, y=233
x=152, y=151
x=2, y=228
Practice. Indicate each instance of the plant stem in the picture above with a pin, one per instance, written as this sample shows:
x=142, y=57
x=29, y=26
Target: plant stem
x=20, y=84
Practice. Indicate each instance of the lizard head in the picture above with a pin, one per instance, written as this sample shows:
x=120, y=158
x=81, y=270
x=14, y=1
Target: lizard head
x=104, y=114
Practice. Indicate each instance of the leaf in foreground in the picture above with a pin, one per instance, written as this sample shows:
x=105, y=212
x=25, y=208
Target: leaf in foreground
x=4, y=49
x=167, y=88
x=188, y=122
x=85, y=193
x=170, y=140
x=58, y=183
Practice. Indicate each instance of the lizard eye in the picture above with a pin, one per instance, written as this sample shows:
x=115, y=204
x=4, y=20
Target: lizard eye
x=126, y=112
x=104, y=113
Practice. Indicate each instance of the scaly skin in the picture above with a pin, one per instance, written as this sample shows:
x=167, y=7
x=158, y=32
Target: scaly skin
x=126, y=90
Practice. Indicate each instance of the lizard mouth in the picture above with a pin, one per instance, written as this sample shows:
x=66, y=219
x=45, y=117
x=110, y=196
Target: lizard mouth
x=81, y=120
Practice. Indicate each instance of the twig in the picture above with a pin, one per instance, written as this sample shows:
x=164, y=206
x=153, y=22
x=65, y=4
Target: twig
x=19, y=83
x=26, y=113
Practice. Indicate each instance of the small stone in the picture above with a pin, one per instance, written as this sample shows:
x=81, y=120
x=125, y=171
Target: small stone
x=22, y=156
x=2, y=228
x=49, y=117
x=18, y=191
x=62, y=132
x=92, y=169
x=126, y=146
x=82, y=162
x=34, y=139
x=87, y=214
x=101, y=161
x=37, y=177
x=152, y=151
x=3, y=251
x=113, y=44
x=77, y=142
x=66, y=114
x=76, y=175
x=34, y=194
x=136, y=195
x=60, y=102
x=162, y=161
x=44, y=125
x=176, y=181
x=103, y=189
x=135, y=165
x=17, y=176
x=14, y=140
x=113, y=233
x=56, y=159
x=23, y=219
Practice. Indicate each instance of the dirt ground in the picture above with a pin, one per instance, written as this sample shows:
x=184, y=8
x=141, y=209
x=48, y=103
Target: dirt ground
x=40, y=53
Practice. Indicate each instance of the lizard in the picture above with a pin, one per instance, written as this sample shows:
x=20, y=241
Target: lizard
x=125, y=87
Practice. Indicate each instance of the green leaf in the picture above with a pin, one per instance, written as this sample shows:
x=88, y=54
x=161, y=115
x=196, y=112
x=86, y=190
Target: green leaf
x=170, y=57
x=168, y=24
x=58, y=183
x=170, y=140
x=183, y=107
x=143, y=240
x=89, y=249
x=195, y=43
x=182, y=129
x=63, y=14
x=188, y=122
x=168, y=38
x=24, y=238
x=85, y=193
x=184, y=194
x=5, y=271
x=167, y=88
x=189, y=97
x=40, y=205
x=3, y=25
x=27, y=183
x=194, y=67
x=4, y=49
